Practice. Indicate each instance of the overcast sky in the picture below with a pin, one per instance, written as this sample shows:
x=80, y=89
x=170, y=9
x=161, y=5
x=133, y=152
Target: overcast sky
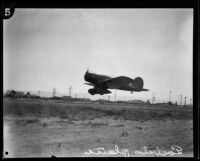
x=46, y=48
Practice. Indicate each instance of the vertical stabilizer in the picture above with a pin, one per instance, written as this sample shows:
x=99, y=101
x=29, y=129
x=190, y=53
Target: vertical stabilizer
x=138, y=83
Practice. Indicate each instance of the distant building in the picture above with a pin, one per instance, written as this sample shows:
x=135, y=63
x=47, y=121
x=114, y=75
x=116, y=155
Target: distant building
x=148, y=102
x=56, y=98
x=162, y=104
x=28, y=95
x=84, y=99
x=13, y=93
x=10, y=93
x=19, y=94
x=67, y=97
x=102, y=100
x=138, y=101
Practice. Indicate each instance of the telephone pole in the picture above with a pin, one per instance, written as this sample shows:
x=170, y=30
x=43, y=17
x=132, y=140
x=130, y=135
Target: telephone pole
x=153, y=98
x=181, y=99
x=108, y=98
x=70, y=90
x=54, y=92
x=115, y=95
x=185, y=101
x=170, y=96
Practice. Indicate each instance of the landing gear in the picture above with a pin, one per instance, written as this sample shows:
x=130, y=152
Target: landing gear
x=92, y=91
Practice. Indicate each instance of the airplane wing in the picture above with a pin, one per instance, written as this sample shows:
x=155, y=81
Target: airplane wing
x=90, y=84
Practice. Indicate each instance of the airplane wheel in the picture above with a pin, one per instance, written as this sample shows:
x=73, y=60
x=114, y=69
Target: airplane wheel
x=91, y=91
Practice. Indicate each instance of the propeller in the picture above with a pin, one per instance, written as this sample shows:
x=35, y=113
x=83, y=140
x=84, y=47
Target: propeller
x=87, y=69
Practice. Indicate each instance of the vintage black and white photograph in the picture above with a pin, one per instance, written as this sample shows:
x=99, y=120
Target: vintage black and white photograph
x=109, y=82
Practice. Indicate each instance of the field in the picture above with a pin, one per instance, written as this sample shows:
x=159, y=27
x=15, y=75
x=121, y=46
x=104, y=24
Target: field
x=50, y=128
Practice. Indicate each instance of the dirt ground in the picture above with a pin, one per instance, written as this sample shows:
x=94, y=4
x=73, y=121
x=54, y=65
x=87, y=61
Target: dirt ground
x=33, y=136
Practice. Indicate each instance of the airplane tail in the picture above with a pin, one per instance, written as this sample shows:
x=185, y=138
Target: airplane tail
x=138, y=82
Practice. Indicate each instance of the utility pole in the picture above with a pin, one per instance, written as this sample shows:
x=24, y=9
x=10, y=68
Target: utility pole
x=108, y=98
x=70, y=90
x=185, y=101
x=181, y=99
x=54, y=92
x=153, y=99
x=115, y=95
x=170, y=96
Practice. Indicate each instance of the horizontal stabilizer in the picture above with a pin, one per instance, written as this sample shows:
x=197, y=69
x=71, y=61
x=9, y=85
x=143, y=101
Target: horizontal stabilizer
x=144, y=89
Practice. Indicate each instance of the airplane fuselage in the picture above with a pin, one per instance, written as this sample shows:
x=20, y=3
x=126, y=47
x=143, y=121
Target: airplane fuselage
x=102, y=83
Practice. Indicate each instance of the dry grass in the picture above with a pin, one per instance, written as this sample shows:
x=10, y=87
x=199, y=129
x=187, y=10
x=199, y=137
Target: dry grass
x=43, y=128
x=74, y=112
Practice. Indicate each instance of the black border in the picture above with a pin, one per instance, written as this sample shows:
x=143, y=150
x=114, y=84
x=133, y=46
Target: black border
x=195, y=4
x=110, y=4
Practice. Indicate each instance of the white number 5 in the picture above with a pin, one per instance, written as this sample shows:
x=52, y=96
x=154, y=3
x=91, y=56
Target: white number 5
x=7, y=11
